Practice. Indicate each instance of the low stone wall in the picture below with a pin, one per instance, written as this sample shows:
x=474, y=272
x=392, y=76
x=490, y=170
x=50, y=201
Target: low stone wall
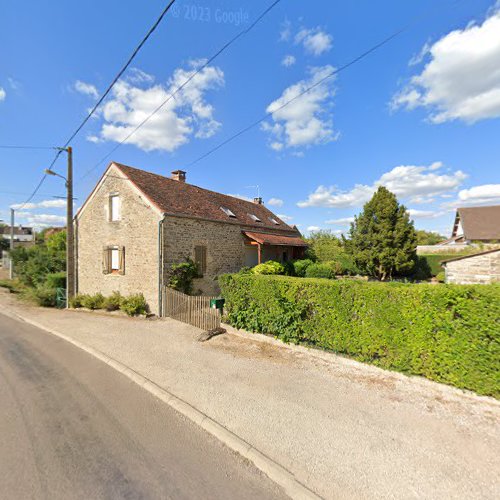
x=479, y=269
x=449, y=249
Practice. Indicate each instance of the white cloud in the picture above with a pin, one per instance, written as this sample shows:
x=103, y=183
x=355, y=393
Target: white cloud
x=86, y=89
x=486, y=194
x=42, y=220
x=185, y=116
x=424, y=214
x=275, y=202
x=313, y=229
x=305, y=121
x=136, y=75
x=315, y=41
x=416, y=183
x=240, y=196
x=3, y=94
x=42, y=204
x=286, y=31
x=462, y=79
x=288, y=61
x=285, y=218
x=345, y=221
x=418, y=58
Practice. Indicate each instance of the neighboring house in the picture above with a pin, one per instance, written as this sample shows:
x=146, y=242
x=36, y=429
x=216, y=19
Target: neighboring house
x=23, y=236
x=21, y=233
x=476, y=224
x=136, y=224
x=479, y=268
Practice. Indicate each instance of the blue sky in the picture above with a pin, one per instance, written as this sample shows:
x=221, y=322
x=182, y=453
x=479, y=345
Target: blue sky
x=421, y=115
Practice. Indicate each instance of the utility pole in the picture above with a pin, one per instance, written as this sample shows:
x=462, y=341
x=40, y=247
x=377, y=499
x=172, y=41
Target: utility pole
x=11, y=247
x=70, y=239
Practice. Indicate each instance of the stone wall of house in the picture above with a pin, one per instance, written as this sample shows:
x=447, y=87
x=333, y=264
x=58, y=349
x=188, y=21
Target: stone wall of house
x=481, y=269
x=137, y=231
x=224, y=244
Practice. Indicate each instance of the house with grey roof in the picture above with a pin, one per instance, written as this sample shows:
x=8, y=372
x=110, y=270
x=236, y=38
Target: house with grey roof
x=135, y=224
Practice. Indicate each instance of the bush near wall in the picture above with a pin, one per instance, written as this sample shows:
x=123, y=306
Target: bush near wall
x=434, y=261
x=447, y=333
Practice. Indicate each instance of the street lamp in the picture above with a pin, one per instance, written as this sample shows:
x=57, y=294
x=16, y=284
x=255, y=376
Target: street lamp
x=70, y=242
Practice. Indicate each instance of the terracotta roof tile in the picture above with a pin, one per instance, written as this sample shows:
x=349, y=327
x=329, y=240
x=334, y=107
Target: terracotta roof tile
x=276, y=239
x=181, y=198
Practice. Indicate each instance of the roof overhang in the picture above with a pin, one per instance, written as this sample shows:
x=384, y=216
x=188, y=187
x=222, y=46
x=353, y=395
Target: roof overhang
x=275, y=239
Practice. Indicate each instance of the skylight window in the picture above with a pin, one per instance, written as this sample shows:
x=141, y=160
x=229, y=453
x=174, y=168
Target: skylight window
x=228, y=212
x=254, y=218
x=274, y=221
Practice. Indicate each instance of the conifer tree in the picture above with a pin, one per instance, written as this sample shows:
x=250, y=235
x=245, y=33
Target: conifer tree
x=382, y=238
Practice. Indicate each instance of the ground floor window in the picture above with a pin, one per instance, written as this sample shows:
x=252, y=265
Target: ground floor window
x=113, y=260
x=200, y=259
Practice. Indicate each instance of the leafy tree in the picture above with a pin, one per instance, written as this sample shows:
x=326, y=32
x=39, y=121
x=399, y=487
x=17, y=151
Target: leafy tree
x=33, y=264
x=428, y=237
x=324, y=246
x=382, y=237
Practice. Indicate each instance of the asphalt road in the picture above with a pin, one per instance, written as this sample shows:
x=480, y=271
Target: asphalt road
x=73, y=428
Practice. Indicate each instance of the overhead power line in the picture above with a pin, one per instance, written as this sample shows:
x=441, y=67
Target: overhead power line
x=104, y=95
x=179, y=88
x=316, y=84
x=3, y=146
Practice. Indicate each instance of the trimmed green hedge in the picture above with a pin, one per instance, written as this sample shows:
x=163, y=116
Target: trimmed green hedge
x=447, y=333
x=434, y=261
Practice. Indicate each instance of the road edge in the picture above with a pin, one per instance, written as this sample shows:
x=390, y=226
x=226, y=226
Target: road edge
x=277, y=473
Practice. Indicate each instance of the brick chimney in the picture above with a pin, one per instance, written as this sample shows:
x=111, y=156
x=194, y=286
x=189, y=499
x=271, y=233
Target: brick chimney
x=179, y=175
x=258, y=201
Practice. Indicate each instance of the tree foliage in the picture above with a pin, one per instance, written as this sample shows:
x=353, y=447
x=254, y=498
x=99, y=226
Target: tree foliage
x=428, y=237
x=382, y=237
x=324, y=246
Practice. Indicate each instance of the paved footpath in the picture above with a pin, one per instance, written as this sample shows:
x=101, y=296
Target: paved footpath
x=344, y=429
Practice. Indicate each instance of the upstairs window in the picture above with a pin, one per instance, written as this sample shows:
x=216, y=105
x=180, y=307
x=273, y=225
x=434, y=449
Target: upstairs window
x=200, y=258
x=228, y=212
x=274, y=221
x=254, y=218
x=114, y=208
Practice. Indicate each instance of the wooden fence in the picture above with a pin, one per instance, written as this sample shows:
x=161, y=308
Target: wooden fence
x=194, y=310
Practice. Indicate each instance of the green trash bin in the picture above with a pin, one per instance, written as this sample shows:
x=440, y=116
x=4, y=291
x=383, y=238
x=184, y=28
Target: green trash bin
x=217, y=304
x=61, y=298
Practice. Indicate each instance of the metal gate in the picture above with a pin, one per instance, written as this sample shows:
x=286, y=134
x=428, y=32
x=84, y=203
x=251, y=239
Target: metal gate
x=194, y=310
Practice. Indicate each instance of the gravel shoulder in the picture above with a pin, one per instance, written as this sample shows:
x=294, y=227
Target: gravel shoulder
x=343, y=428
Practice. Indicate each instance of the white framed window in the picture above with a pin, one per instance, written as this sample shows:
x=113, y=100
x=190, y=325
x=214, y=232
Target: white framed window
x=113, y=260
x=254, y=218
x=114, y=208
x=274, y=221
x=228, y=212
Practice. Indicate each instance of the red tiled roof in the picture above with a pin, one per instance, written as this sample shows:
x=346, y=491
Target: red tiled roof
x=276, y=239
x=180, y=198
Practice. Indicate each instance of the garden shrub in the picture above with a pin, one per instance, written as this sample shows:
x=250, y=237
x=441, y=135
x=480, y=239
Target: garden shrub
x=300, y=267
x=441, y=277
x=447, y=333
x=44, y=296
x=113, y=302
x=76, y=301
x=434, y=261
x=95, y=301
x=182, y=276
x=56, y=280
x=269, y=267
x=318, y=270
x=134, y=305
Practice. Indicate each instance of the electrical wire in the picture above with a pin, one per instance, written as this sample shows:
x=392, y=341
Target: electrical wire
x=101, y=99
x=178, y=89
x=3, y=146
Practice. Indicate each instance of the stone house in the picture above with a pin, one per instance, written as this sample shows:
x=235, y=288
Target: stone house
x=136, y=224
x=479, y=268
